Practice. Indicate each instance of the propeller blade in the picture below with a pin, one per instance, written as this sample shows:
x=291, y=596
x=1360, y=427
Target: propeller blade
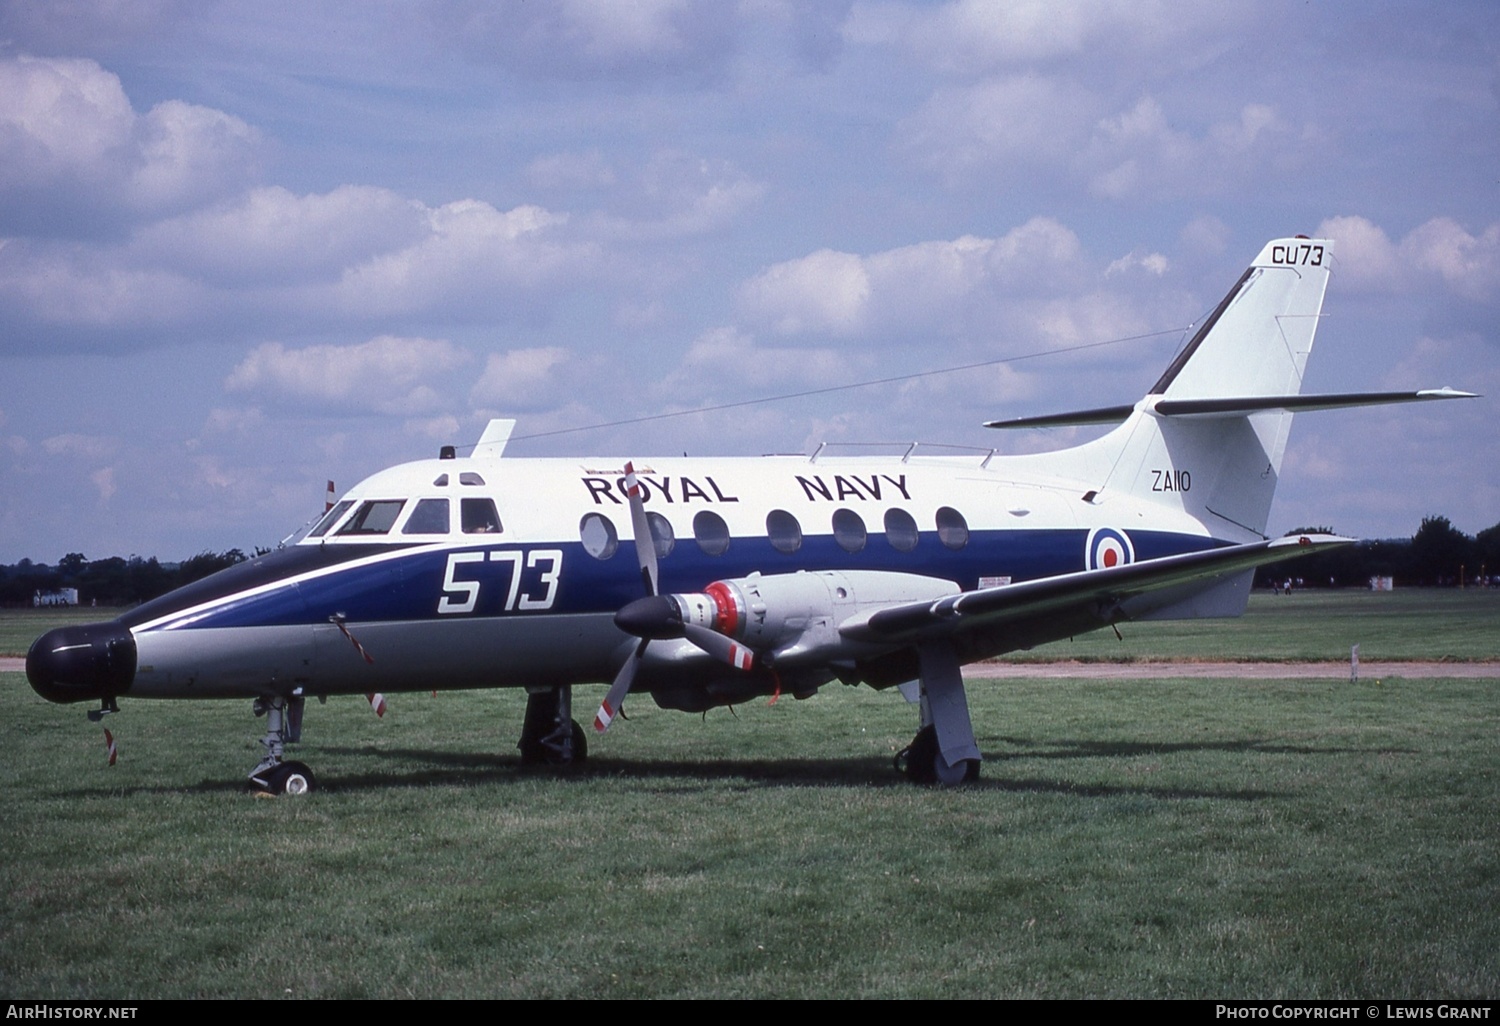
x=720, y=646
x=610, y=707
x=645, y=545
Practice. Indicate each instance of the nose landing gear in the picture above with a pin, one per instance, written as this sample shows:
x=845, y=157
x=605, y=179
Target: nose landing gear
x=275, y=775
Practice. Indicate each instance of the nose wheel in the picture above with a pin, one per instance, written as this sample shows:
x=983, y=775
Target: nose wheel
x=285, y=778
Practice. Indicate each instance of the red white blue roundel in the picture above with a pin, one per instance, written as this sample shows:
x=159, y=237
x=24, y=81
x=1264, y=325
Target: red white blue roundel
x=1108, y=547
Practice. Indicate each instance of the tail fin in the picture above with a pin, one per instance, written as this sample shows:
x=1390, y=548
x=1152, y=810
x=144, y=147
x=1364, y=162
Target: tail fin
x=1210, y=435
x=1255, y=343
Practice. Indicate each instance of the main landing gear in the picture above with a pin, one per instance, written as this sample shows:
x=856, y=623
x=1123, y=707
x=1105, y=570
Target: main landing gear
x=549, y=735
x=276, y=775
x=944, y=751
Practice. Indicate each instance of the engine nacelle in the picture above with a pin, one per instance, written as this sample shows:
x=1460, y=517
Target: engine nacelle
x=790, y=618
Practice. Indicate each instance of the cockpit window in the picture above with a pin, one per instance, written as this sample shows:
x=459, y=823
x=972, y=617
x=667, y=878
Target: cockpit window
x=374, y=517
x=468, y=477
x=441, y=481
x=329, y=519
x=430, y=517
x=479, y=516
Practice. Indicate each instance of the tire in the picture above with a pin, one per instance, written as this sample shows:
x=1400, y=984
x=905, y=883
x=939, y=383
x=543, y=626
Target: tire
x=291, y=778
x=922, y=762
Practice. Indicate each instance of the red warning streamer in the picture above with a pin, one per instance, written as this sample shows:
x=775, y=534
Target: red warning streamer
x=338, y=621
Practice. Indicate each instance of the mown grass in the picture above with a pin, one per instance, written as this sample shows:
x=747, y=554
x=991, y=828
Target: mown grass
x=1160, y=838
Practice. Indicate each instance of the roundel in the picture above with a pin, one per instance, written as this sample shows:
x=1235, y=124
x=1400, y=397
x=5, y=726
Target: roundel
x=1108, y=547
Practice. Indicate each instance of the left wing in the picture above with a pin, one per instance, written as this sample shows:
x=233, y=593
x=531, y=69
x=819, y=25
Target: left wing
x=1097, y=595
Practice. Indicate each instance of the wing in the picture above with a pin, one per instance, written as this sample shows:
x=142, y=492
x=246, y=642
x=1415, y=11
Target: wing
x=1052, y=607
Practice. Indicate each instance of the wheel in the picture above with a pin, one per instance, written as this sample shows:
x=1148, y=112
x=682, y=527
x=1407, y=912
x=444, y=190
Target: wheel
x=285, y=778
x=923, y=763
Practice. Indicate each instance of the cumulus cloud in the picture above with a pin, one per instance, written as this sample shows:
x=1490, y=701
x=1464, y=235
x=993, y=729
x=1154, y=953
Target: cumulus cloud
x=468, y=253
x=521, y=379
x=1139, y=151
x=1467, y=265
x=823, y=291
x=271, y=235
x=928, y=283
x=79, y=159
x=1151, y=263
x=385, y=375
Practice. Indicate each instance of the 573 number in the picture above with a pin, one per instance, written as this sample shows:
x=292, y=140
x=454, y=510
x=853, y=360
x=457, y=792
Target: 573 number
x=461, y=596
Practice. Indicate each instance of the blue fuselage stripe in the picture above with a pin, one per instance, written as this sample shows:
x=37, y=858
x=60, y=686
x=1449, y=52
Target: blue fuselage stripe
x=410, y=585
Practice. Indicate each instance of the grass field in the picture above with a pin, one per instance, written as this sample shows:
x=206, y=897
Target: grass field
x=1201, y=838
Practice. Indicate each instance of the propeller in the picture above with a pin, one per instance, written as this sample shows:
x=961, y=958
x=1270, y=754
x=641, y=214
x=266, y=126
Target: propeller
x=657, y=616
x=645, y=556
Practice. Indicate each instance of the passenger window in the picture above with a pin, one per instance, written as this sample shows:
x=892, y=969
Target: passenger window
x=374, y=517
x=430, y=517
x=952, y=528
x=329, y=519
x=479, y=516
x=598, y=536
x=900, y=530
x=711, y=533
x=849, y=530
x=662, y=538
x=784, y=531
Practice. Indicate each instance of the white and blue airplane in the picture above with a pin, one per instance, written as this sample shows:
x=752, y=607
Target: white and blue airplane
x=706, y=582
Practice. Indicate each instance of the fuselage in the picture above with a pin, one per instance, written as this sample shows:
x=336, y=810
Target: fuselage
x=466, y=573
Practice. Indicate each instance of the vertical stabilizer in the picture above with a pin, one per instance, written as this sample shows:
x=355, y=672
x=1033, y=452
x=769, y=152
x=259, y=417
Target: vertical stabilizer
x=1222, y=465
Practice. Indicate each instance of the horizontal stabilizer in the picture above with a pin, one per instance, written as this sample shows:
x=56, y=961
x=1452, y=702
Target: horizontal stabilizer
x=1081, y=418
x=1234, y=406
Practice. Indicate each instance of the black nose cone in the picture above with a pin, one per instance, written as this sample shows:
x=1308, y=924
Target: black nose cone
x=77, y=664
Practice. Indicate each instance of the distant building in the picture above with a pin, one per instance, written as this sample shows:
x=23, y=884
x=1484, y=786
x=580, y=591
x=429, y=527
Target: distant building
x=1382, y=584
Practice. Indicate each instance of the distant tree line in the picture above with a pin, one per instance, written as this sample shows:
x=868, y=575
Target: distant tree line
x=109, y=582
x=1438, y=555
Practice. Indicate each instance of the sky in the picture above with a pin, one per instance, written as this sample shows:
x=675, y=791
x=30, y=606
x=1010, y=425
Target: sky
x=248, y=248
